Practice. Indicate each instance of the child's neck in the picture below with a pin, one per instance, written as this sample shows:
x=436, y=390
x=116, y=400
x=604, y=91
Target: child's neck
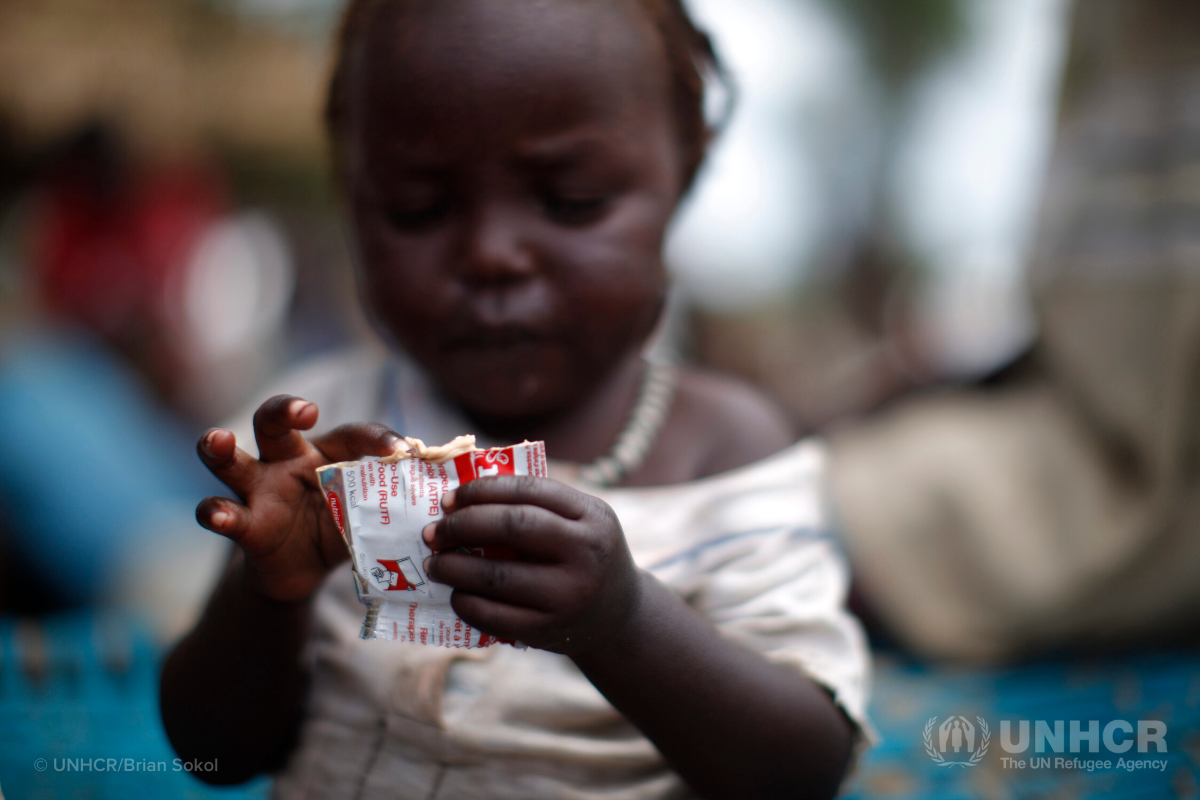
x=586, y=431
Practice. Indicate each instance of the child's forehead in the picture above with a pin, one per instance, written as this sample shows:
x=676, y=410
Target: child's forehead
x=515, y=23
x=440, y=50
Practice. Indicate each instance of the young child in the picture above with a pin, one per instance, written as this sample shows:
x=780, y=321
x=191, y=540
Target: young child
x=510, y=167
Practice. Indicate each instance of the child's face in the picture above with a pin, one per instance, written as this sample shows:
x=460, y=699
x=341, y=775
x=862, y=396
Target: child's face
x=512, y=165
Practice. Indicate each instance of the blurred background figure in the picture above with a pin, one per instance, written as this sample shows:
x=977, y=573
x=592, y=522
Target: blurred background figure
x=149, y=276
x=1059, y=505
x=147, y=303
x=144, y=292
x=862, y=225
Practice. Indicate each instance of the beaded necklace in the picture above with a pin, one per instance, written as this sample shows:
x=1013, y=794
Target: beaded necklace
x=645, y=423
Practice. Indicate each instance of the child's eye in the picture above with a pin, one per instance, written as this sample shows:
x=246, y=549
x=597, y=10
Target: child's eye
x=418, y=217
x=574, y=210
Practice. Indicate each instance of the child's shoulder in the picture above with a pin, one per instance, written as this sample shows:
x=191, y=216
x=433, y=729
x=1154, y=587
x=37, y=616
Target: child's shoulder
x=736, y=422
x=717, y=423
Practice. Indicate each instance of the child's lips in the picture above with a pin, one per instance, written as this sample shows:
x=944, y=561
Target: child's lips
x=498, y=339
x=508, y=357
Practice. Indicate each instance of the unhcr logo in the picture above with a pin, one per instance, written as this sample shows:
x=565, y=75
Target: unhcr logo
x=956, y=742
x=959, y=742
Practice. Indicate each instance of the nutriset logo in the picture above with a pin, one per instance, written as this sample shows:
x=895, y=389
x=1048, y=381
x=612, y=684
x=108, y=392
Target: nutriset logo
x=1059, y=744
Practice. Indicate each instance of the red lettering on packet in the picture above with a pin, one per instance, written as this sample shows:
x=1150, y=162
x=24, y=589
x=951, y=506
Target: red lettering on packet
x=412, y=482
x=494, y=462
x=385, y=516
x=435, y=497
x=335, y=508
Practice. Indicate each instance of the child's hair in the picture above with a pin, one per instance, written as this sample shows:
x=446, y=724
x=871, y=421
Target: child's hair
x=689, y=50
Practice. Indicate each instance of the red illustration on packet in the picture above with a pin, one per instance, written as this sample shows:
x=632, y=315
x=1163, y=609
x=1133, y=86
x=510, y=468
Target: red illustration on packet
x=397, y=574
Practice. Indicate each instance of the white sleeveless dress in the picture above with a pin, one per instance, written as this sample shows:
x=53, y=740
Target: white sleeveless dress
x=750, y=549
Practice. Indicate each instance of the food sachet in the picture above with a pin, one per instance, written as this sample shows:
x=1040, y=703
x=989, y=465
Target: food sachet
x=381, y=506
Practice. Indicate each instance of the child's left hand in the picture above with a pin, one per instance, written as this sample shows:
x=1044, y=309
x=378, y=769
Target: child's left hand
x=573, y=583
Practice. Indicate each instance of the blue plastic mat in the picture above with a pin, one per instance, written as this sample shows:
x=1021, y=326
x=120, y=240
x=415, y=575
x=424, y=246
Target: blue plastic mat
x=79, y=716
x=80, y=692
x=907, y=696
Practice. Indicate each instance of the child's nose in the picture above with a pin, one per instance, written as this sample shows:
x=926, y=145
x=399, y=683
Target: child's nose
x=496, y=248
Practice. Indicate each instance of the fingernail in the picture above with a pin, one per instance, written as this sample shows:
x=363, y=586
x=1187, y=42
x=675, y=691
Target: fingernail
x=220, y=518
x=448, y=500
x=426, y=563
x=428, y=532
x=298, y=407
x=208, y=440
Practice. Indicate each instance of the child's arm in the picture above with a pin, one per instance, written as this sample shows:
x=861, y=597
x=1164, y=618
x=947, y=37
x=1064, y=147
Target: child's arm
x=731, y=723
x=233, y=689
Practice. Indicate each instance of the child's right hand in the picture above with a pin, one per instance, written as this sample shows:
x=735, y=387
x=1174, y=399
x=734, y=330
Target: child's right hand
x=282, y=524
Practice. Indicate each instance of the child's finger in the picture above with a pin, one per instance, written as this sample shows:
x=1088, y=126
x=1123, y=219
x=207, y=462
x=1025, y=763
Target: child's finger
x=523, y=490
x=232, y=465
x=351, y=442
x=277, y=424
x=496, y=618
x=224, y=516
x=513, y=582
x=530, y=530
